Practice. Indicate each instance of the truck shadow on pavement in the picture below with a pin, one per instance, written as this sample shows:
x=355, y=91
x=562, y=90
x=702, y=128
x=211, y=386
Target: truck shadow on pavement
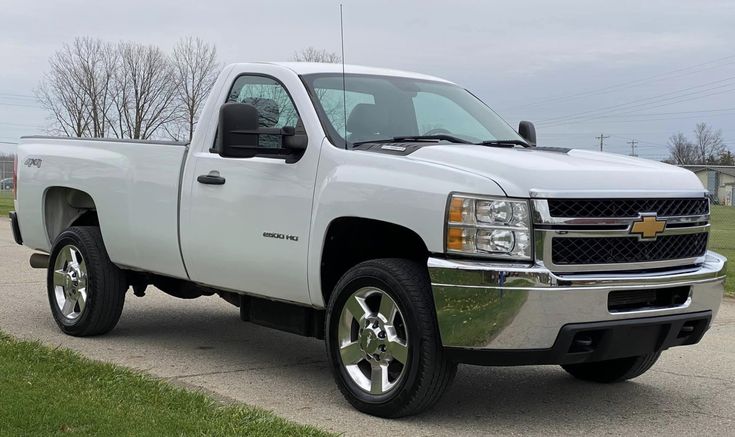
x=544, y=396
x=215, y=350
x=211, y=348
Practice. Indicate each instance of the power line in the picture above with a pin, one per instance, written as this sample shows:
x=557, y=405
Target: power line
x=18, y=96
x=645, y=114
x=632, y=147
x=602, y=138
x=653, y=99
x=642, y=141
x=610, y=88
x=588, y=133
x=640, y=144
x=20, y=105
x=656, y=99
x=5, y=123
x=582, y=117
x=639, y=120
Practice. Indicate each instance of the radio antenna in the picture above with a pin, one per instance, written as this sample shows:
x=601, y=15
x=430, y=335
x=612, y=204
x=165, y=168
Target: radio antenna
x=344, y=86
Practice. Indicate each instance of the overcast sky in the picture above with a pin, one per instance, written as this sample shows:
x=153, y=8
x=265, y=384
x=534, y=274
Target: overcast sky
x=629, y=69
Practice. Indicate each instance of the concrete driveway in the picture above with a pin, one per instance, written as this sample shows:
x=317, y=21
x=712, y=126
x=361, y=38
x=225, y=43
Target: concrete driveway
x=202, y=343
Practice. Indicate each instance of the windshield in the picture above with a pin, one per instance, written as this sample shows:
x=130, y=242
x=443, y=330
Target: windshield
x=384, y=107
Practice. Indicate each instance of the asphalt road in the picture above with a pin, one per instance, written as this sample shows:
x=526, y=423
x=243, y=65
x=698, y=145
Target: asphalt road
x=202, y=344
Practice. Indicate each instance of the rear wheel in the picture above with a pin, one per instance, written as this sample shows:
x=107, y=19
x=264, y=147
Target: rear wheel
x=611, y=371
x=383, y=341
x=86, y=290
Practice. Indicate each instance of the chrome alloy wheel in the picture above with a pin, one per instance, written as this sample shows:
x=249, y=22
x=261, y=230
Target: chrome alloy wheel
x=70, y=282
x=373, y=341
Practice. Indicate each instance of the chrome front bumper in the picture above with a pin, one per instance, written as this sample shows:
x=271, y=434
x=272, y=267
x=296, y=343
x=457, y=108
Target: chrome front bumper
x=501, y=306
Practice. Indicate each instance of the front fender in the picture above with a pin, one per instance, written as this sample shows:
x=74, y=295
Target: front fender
x=393, y=189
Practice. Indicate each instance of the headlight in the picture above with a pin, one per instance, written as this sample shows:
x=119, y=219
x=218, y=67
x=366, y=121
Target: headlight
x=490, y=227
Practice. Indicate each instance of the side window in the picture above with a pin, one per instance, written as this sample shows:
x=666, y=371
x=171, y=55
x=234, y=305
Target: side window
x=275, y=107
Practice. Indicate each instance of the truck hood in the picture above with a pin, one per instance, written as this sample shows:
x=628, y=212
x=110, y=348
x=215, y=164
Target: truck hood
x=541, y=171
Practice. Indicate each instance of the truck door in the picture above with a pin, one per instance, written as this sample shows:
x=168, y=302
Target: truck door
x=251, y=232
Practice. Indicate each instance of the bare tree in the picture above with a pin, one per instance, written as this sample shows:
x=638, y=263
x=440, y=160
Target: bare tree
x=681, y=150
x=708, y=147
x=195, y=70
x=144, y=91
x=76, y=90
x=96, y=66
x=127, y=90
x=99, y=69
x=64, y=103
x=311, y=54
x=708, y=144
x=332, y=103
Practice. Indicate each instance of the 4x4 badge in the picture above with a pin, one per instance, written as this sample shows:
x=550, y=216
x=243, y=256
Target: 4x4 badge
x=647, y=227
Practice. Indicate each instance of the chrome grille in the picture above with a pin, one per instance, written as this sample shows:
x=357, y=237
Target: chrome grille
x=619, y=250
x=595, y=235
x=585, y=208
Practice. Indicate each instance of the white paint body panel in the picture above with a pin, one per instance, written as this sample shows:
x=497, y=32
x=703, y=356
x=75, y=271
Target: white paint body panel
x=136, y=189
x=384, y=187
x=521, y=171
x=222, y=226
x=316, y=67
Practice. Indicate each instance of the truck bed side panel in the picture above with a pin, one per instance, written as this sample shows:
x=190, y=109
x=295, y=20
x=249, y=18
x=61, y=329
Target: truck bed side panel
x=134, y=185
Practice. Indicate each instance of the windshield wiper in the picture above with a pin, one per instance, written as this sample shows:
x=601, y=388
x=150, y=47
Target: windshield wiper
x=416, y=138
x=504, y=143
x=443, y=137
x=440, y=137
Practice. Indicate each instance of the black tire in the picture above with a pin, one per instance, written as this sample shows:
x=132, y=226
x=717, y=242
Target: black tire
x=105, y=287
x=612, y=371
x=428, y=372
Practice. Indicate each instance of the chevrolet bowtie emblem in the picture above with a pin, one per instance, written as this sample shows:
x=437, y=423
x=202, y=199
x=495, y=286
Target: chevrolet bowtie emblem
x=648, y=227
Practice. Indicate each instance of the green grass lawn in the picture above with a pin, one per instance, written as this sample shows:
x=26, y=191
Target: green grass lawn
x=6, y=202
x=46, y=391
x=722, y=240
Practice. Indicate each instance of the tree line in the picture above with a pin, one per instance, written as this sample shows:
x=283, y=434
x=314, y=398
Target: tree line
x=706, y=148
x=99, y=89
x=128, y=90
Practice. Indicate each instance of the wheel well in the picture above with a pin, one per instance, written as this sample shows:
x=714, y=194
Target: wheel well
x=65, y=207
x=352, y=240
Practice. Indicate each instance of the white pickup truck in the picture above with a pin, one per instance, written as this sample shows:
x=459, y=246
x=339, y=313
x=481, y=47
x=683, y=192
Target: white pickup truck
x=392, y=214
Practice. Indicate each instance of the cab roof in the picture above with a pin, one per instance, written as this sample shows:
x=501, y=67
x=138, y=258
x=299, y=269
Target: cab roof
x=302, y=68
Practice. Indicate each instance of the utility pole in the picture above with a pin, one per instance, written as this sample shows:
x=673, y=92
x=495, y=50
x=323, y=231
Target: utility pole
x=632, y=147
x=602, y=139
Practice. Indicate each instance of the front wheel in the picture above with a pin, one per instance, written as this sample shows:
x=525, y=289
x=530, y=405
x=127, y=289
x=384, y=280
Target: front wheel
x=383, y=341
x=611, y=371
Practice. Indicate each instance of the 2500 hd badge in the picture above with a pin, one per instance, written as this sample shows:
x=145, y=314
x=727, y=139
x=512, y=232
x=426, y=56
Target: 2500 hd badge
x=281, y=236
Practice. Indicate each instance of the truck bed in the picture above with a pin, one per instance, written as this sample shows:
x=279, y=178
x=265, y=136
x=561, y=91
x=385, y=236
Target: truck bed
x=134, y=186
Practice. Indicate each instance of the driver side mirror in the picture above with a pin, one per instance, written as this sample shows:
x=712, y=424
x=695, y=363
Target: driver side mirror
x=527, y=130
x=240, y=131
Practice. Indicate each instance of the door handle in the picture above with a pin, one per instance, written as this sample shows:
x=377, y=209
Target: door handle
x=211, y=179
